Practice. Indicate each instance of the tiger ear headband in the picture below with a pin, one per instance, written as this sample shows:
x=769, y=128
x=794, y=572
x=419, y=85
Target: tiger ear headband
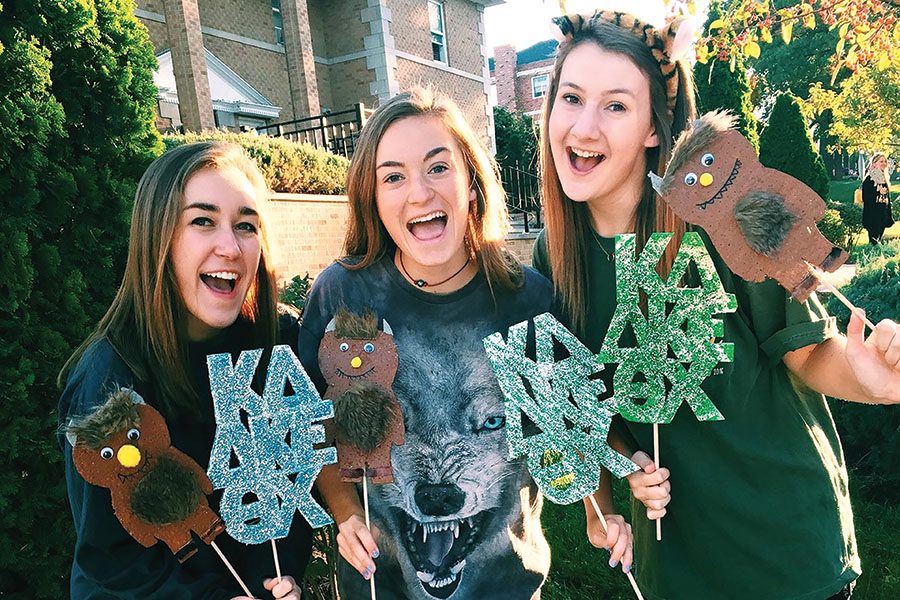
x=667, y=45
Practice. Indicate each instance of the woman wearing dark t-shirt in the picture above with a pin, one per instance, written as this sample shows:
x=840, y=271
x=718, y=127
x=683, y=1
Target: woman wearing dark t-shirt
x=427, y=224
x=196, y=208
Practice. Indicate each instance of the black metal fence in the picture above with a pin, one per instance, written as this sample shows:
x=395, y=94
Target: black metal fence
x=335, y=132
x=523, y=190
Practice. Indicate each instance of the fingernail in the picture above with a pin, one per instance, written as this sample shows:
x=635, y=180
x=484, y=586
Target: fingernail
x=628, y=568
x=613, y=563
x=376, y=553
x=366, y=574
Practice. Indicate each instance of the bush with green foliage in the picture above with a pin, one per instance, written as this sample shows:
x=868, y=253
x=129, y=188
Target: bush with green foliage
x=851, y=217
x=864, y=254
x=516, y=139
x=870, y=433
x=287, y=166
x=295, y=292
x=785, y=144
x=77, y=107
x=719, y=87
x=832, y=227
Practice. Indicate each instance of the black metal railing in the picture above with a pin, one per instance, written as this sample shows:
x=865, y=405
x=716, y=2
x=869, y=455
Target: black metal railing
x=336, y=132
x=522, y=194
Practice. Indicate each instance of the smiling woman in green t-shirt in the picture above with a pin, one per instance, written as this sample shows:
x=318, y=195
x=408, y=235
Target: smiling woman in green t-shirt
x=759, y=506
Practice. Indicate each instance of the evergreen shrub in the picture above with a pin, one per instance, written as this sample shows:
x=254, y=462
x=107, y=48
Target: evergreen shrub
x=76, y=131
x=786, y=145
x=871, y=434
x=287, y=166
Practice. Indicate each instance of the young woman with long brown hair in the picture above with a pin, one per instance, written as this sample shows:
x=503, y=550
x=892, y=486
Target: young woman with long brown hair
x=425, y=253
x=758, y=505
x=197, y=282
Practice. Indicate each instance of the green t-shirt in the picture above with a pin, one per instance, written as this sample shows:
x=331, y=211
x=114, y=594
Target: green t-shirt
x=760, y=507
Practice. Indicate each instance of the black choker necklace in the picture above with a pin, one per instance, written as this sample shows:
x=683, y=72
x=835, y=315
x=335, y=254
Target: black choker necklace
x=422, y=283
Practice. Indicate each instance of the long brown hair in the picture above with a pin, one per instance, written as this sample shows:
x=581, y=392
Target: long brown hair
x=146, y=322
x=568, y=223
x=367, y=240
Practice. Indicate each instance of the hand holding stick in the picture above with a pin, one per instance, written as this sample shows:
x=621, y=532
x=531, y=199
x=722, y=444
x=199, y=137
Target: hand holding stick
x=602, y=519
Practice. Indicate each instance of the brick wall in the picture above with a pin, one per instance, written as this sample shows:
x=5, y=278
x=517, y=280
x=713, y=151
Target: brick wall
x=504, y=75
x=263, y=69
x=411, y=30
x=306, y=234
x=249, y=18
x=467, y=93
x=524, y=100
x=341, y=24
x=350, y=84
x=159, y=35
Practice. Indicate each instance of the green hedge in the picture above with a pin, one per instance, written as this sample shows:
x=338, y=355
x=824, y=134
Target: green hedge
x=785, y=145
x=871, y=434
x=287, y=166
x=76, y=131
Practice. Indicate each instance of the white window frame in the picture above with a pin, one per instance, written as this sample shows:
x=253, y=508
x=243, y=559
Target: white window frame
x=438, y=36
x=543, y=77
x=278, y=23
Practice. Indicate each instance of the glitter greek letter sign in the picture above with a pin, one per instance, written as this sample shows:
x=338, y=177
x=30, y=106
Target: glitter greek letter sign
x=675, y=342
x=263, y=449
x=562, y=401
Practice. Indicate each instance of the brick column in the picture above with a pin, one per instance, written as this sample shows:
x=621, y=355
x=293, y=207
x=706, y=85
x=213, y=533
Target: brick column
x=505, y=74
x=301, y=65
x=189, y=64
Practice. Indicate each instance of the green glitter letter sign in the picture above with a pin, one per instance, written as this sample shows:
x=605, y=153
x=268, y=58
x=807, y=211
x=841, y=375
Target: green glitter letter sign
x=676, y=341
x=561, y=399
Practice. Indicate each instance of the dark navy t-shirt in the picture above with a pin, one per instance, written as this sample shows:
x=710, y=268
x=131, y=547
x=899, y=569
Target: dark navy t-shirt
x=491, y=545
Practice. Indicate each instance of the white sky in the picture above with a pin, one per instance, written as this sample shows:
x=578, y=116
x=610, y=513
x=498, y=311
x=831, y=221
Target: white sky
x=522, y=23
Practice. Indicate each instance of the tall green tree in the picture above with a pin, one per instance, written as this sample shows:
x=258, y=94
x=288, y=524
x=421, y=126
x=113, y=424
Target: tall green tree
x=785, y=144
x=719, y=86
x=76, y=131
x=516, y=139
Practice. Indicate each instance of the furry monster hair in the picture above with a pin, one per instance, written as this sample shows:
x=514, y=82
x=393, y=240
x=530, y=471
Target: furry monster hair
x=355, y=327
x=118, y=413
x=362, y=416
x=764, y=220
x=169, y=493
x=701, y=134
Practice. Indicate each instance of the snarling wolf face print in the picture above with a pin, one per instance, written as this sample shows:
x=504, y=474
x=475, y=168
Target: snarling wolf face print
x=452, y=522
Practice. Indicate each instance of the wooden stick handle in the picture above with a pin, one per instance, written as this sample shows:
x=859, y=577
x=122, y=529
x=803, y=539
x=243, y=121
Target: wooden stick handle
x=277, y=563
x=366, y=507
x=837, y=294
x=230, y=568
x=656, y=461
x=634, y=585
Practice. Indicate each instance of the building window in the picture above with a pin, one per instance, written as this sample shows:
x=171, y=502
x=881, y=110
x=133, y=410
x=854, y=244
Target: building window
x=539, y=85
x=276, y=20
x=438, y=35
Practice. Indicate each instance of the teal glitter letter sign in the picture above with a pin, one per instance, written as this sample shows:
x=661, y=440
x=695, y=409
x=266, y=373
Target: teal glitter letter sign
x=676, y=341
x=562, y=401
x=263, y=453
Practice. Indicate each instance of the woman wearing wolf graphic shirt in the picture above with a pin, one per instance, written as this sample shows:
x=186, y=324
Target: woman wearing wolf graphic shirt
x=425, y=248
x=759, y=502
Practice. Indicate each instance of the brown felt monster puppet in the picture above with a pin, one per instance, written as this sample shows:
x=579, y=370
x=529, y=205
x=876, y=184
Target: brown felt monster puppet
x=762, y=221
x=158, y=492
x=359, y=364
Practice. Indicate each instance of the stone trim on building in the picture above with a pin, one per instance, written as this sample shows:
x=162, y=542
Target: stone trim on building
x=383, y=50
x=158, y=18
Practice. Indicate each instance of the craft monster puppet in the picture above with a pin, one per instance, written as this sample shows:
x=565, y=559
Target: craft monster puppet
x=762, y=221
x=359, y=364
x=158, y=492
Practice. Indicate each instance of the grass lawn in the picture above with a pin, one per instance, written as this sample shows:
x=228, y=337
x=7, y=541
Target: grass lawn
x=579, y=571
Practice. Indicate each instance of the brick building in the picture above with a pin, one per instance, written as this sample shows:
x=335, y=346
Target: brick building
x=521, y=78
x=230, y=63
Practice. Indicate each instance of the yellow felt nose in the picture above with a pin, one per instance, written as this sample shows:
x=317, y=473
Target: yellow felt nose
x=706, y=179
x=129, y=456
x=356, y=362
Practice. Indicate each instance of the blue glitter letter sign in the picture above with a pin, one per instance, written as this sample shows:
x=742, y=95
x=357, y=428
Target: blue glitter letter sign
x=263, y=453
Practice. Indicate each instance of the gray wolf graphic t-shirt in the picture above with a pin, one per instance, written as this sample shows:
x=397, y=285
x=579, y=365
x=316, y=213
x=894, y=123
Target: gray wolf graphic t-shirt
x=460, y=517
